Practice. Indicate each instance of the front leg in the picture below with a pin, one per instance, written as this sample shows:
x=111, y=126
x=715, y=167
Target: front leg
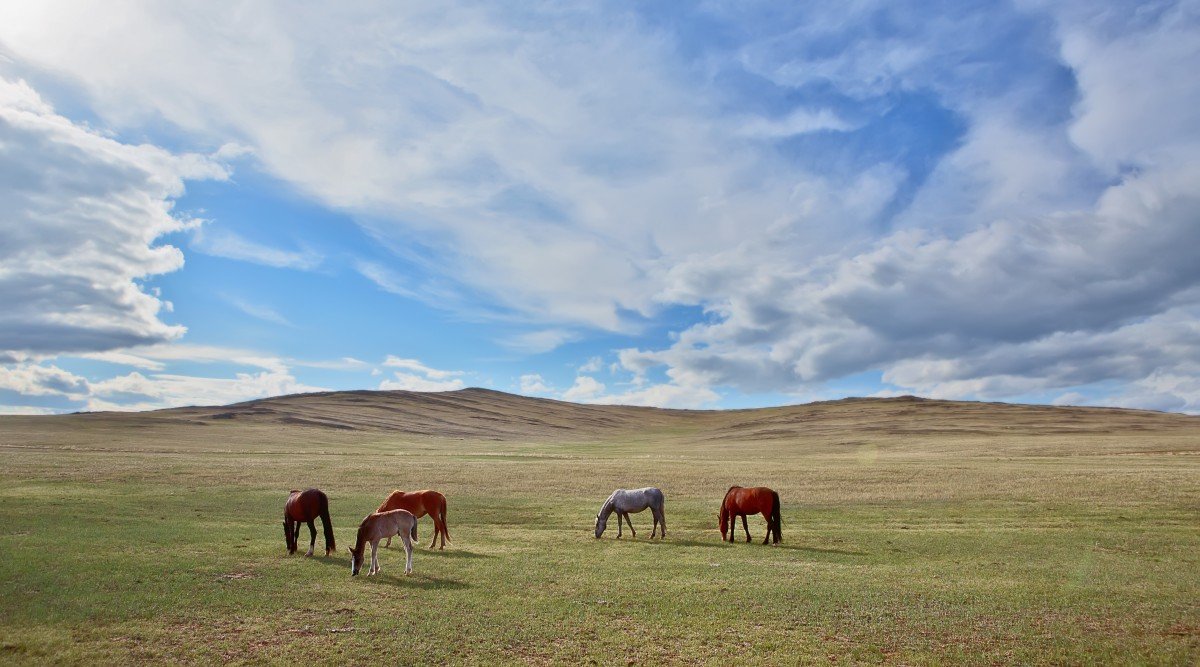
x=746, y=527
x=374, y=559
x=312, y=529
x=628, y=521
x=619, y=525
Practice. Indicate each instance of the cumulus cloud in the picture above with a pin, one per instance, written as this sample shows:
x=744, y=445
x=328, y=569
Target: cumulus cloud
x=534, y=383
x=152, y=389
x=580, y=168
x=79, y=217
x=585, y=387
x=1010, y=298
x=142, y=392
x=416, y=376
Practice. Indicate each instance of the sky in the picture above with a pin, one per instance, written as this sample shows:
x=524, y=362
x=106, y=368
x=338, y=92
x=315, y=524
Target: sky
x=683, y=204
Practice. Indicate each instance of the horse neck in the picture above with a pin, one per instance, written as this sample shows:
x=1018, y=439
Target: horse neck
x=364, y=532
x=608, y=507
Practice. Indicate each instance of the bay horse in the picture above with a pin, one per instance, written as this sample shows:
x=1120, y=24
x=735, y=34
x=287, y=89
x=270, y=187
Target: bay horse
x=304, y=507
x=623, y=502
x=378, y=526
x=420, y=503
x=740, y=501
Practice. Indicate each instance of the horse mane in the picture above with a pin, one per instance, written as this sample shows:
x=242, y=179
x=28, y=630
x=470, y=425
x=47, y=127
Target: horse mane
x=727, y=492
x=360, y=539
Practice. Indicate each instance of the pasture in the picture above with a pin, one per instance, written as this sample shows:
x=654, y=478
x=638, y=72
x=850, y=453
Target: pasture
x=913, y=532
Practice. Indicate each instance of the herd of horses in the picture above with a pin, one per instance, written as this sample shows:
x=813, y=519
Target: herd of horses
x=399, y=512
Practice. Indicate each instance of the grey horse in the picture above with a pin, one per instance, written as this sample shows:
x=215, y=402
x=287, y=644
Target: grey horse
x=623, y=502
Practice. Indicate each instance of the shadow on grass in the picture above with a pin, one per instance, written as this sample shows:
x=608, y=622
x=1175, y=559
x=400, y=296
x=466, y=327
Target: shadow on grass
x=416, y=580
x=453, y=553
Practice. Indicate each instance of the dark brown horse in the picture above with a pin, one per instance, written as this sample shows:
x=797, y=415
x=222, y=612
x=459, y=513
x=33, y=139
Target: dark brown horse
x=740, y=501
x=304, y=507
x=420, y=503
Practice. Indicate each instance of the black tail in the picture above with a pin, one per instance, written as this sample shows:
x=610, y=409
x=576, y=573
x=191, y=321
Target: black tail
x=327, y=524
x=777, y=518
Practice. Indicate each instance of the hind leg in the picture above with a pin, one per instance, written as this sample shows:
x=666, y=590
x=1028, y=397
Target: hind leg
x=408, y=549
x=312, y=528
x=767, y=537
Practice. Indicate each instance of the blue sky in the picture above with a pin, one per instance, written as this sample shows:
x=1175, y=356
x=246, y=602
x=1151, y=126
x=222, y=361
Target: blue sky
x=678, y=204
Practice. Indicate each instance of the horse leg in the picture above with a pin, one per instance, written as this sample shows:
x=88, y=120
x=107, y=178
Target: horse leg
x=630, y=522
x=408, y=549
x=770, y=528
x=746, y=527
x=618, y=525
x=374, y=558
x=655, y=527
x=436, y=530
x=312, y=528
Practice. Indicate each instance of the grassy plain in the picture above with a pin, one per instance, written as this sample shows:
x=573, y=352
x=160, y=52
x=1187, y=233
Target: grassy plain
x=914, y=532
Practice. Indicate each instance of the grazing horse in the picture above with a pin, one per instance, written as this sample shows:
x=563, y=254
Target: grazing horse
x=304, y=507
x=378, y=526
x=740, y=501
x=420, y=503
x=623, y=502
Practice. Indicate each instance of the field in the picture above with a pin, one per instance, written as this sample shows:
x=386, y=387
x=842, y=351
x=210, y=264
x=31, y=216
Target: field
x=913, y=532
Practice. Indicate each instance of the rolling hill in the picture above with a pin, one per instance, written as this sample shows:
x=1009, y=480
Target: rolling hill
x=492, y=415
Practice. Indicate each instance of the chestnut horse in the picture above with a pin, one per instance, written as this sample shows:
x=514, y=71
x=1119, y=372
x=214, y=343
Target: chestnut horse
x=420, y=503
x=740, y=501
x=304, y=507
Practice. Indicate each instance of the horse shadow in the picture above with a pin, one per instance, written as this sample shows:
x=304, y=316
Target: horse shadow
x=691, y=544
x=452, y=553
x=416, y=581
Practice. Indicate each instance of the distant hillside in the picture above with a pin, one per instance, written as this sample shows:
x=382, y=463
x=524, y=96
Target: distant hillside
x=486, y=414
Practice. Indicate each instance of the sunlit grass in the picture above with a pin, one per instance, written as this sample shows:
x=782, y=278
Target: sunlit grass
x=165, y=544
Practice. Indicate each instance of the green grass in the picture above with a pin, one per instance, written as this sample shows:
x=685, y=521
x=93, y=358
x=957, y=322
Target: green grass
x=167, y=547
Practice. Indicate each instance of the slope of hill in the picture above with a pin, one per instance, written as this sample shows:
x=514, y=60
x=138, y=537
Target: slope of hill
x=485, y=414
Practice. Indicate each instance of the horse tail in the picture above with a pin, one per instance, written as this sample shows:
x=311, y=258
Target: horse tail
x=445, y=526
x=777, y=517
x=327, y=524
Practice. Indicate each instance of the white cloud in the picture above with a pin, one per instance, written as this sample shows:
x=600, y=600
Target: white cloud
x=227, y=244
x=25, y=410
x=537, y=342
x=593, y=365
x=534, y=383
x=418, y=367
x=414, y=382
x=800, y=121
x=79, y=217
x=416, y=376
x=668, y=395
x=166, y=390
x=584, y=388
x=555, y=163
x=38, y=380
x=258, y=311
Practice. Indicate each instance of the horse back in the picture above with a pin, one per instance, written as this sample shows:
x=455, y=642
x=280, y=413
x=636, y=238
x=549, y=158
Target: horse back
x=419, y=503
x=305, y=505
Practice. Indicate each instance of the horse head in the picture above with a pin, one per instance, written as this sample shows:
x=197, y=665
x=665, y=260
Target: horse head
x=356, y=560
x=288, y=536
x=601, y=524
